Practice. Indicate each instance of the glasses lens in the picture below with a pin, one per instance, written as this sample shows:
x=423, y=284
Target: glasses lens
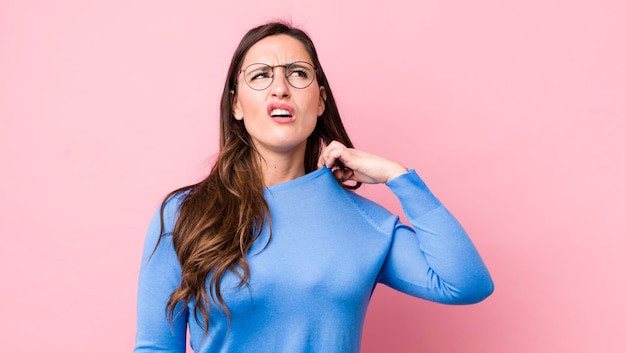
x=258, y=76
x=300, y=74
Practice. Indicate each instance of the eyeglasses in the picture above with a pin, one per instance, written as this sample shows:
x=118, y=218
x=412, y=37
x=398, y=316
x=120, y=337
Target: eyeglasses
x=299, y=74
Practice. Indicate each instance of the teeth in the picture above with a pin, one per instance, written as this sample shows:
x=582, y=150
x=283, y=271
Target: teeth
x=280, y=112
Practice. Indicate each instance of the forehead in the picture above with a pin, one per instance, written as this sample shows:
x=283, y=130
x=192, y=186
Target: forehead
x=276, y=49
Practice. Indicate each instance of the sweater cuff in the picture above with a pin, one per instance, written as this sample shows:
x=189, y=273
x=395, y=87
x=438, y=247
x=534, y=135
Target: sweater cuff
x=414, y=195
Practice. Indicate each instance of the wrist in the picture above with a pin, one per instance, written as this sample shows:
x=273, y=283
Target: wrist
x=396, y=172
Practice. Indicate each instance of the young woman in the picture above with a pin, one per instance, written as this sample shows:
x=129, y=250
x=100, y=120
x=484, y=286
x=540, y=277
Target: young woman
x=273, y=251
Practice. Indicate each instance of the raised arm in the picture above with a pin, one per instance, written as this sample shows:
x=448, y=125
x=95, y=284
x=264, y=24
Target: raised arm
x=434, y=259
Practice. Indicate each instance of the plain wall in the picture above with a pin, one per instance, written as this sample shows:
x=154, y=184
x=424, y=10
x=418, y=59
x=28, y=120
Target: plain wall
x=514, y=112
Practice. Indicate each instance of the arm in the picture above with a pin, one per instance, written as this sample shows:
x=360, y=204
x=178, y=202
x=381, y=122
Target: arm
x=158, y=277
x=435, y=259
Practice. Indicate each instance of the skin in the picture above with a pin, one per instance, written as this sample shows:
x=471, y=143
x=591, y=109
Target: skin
x=282, y=146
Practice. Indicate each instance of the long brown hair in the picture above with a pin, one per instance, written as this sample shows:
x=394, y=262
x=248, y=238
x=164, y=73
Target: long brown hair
x=221, y=216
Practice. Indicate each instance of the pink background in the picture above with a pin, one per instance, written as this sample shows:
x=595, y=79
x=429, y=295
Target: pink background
x=514, y=112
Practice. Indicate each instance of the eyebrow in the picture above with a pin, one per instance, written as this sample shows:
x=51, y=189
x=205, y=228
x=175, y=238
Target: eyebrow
x=296, y=62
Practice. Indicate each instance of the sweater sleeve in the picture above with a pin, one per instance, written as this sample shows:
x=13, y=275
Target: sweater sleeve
x=159, y=275
x=435, y=259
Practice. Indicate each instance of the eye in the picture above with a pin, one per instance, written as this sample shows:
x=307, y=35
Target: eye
x=259, y=74
x=299, y=71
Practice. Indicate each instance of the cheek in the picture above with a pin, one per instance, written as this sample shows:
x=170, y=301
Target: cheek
x=250, y=107
x=312, y=104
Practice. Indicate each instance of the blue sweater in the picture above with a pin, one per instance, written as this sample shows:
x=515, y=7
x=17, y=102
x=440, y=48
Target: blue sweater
x=310, y=287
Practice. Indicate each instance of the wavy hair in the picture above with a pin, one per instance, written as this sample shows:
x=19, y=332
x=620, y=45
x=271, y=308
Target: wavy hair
x=221, y=216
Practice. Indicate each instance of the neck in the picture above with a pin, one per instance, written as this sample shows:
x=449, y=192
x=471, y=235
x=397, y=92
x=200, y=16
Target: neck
x=279, y=168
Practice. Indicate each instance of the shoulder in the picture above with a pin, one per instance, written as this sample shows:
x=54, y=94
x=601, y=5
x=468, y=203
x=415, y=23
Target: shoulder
x=166, y=213
x=372, y=212
x=158, y=241
x=171, y=204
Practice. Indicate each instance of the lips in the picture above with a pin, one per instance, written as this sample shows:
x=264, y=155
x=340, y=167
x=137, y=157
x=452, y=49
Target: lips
x=279, y=110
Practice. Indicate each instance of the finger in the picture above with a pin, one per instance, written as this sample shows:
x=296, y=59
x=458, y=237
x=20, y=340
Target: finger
x=321, y=160
x=333, y=154
x=330, y=159
x=343, y=174
x=325, y=156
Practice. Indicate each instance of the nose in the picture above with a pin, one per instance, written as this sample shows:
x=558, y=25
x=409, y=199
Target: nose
x=280, y=86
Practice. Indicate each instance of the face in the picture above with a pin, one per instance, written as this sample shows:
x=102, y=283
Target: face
x=279, y=118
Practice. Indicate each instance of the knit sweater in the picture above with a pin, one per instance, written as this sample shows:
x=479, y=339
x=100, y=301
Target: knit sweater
x=310, y=286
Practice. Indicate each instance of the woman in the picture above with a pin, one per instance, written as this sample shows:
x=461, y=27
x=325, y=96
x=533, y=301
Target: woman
x=272, y=252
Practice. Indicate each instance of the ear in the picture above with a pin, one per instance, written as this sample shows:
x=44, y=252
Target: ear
x=237, y=111
x=322, y=102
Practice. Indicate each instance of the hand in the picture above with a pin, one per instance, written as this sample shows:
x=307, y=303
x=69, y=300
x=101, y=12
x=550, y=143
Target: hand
x=366, y=167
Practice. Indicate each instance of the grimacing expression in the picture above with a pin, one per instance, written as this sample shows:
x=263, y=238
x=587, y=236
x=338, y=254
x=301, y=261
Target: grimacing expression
x=281, y=117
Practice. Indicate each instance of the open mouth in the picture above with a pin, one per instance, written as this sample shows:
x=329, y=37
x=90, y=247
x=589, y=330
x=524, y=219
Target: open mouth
x=280, y=113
